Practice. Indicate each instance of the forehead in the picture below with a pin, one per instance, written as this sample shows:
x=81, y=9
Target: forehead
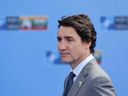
x=67, y=31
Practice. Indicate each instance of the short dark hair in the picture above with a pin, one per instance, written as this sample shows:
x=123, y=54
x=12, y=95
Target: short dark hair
x=83, y=26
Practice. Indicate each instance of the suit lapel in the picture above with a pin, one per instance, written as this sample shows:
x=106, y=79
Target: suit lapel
x=76, y=86
x=81, y=79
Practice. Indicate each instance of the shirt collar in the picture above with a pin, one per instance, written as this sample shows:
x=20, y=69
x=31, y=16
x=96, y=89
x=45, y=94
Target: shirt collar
x=80, y=66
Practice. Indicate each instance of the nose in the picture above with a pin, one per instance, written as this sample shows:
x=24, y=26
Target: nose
x=62, y=46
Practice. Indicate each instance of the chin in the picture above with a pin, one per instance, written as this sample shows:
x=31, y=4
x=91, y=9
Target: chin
x=66, y=61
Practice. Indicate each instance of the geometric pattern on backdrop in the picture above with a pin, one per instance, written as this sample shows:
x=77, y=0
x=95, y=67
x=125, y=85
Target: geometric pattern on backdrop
x=114, y=23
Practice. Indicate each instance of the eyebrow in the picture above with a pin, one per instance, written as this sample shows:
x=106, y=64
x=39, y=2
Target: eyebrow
x=68, y=37
x=65, y=37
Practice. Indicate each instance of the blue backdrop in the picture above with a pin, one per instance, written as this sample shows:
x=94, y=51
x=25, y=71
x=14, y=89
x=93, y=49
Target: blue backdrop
x=27, y=58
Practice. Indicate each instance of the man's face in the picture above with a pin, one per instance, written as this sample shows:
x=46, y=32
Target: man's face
x=70, y=46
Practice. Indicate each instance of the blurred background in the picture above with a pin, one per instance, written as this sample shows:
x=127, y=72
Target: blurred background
x=29, y=61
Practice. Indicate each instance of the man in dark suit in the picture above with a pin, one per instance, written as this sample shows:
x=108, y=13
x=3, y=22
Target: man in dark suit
x=76, y=43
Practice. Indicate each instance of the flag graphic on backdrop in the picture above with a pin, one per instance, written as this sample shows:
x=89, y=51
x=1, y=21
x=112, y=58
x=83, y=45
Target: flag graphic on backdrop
x=25, y=23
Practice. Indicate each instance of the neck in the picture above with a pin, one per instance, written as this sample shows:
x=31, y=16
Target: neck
x=78, y=61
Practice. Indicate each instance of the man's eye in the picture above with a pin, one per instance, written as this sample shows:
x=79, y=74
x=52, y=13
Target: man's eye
x=69, y=39
x=59, y=39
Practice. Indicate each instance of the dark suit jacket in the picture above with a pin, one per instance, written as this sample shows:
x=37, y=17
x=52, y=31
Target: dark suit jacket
x=92, y=81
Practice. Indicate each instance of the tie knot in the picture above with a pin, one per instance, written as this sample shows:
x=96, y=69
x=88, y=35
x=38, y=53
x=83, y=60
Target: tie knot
x=71, y=75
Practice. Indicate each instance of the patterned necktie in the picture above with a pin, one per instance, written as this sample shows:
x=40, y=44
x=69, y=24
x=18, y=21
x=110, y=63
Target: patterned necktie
x=69, y=83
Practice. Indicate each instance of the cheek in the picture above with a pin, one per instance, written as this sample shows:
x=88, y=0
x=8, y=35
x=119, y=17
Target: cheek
x=78, y=50
x=75, y=51
x=58, y=46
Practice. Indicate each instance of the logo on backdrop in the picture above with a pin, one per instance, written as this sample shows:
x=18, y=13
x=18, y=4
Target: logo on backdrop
x=55, y=58
x=24, y=23
x=114, y=23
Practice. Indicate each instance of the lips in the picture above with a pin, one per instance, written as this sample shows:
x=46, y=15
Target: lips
x=64, y=54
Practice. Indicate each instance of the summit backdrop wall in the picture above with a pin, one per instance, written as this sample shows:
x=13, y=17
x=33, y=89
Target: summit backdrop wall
x=29, y=62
